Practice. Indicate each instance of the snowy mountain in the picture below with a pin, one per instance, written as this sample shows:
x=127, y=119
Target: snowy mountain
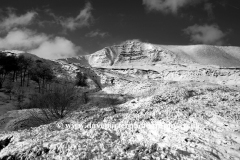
x=155, y=102
x=135, y=53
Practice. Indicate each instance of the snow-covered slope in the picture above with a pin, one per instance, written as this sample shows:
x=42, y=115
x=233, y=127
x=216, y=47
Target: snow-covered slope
x=166, y=62
x=135, y=53
x=209, y=55
x=13, y=51
x=166, y=108
x=18, y=52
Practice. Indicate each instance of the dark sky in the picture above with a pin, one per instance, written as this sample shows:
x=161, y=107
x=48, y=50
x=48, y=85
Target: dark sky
x=68, y=27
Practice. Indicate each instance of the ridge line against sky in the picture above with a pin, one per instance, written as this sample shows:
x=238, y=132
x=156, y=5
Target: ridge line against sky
x=60, y=29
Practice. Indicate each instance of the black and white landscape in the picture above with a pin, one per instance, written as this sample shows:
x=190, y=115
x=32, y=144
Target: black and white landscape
x=141, y=80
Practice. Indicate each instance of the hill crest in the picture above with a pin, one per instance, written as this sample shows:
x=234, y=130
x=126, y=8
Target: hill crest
x=135, y=53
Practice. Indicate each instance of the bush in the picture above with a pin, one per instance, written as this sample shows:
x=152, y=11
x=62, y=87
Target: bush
x=81, y=79
x=54, y=104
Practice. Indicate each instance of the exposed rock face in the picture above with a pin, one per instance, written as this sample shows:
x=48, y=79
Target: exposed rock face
x=132, y=53
x=135, y=53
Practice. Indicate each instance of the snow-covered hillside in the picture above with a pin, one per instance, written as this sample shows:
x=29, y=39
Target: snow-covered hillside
x=156, y=102
x=135, y=53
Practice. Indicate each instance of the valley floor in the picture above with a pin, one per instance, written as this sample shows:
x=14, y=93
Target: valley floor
x=146, y=120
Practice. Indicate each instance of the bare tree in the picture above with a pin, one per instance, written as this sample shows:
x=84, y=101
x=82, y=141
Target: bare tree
x=55, y=104
x=24, y=65
x=6, y=66
x=42, y=74
x=9, y=86
x=20, y=93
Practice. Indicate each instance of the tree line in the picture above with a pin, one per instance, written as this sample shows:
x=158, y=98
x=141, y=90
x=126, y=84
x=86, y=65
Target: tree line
x=24, y=69
x=56, y=97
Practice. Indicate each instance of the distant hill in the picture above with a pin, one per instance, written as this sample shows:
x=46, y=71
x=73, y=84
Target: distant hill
x=17, y=52
x=135, y=53
x=209, y=55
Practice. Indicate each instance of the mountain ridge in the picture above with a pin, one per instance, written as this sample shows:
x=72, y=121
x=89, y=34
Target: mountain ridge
x=130, y=52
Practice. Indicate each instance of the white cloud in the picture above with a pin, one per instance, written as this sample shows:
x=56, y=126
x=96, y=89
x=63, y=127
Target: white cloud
x=22, y=39
x=169, y=6
x=165, y=6
x=56, y=48
x=206, y=34
x=84, y=18
x=97, y=33
x=7, y=23
x=41, y=45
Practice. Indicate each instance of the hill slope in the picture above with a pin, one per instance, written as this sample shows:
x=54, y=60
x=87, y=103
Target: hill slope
x=135, y=53
x=209, y=55
x=160, y=106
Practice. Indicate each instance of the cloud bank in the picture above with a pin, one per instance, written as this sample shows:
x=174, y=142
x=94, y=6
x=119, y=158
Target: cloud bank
x=165, y=6
x=22, y=39
x=39, y=44
x=171, y=6
x=206, y=34
x=12, y=20
x=56, y=48
x=83, y=19
x=16, y=36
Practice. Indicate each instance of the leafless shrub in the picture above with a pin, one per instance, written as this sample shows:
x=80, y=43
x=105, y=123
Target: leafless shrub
x=55, y=104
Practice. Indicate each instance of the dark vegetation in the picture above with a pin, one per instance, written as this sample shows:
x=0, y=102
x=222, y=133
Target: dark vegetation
x=42, y=74
x=16, y=67
x=55, y=103
x=54, y=97
x=24, y=69
x=81, y=79
x=5, y=142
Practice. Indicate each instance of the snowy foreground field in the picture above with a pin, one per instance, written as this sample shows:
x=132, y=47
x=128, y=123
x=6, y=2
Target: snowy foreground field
x=162, y=120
